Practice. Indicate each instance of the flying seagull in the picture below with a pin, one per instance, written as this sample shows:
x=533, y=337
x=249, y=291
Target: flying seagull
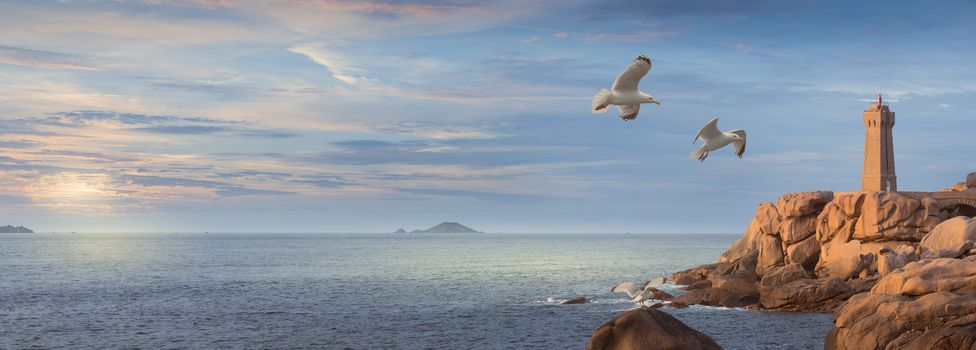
x=624, y=93
x=715, y=139
x=636, y=294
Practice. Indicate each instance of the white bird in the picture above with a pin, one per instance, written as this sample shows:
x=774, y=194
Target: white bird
x=636, y=294
x=715, y=139
x=624, y=93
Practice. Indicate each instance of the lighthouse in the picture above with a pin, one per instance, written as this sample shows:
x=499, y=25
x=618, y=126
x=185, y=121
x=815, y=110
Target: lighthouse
x=879, y=155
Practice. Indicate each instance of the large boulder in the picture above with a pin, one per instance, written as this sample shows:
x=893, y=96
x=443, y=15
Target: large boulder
x=940, y=320
x=838, y=218
x=824, y=294
x=784, y=275
x=797, y=229
x=889, y=216
x=770, y=253
x=844, y=260
x=928, y=304
x=891, y=259
x=764, y=222
x=806, y=253
x=731, y=284
x=928, y=276
x=692, y=275
x=721, y=296
x=947, y=238
x=802, y=203
x=648, y=329
x=971, y=180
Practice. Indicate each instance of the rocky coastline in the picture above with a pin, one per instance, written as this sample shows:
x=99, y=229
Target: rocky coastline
x=898, y=270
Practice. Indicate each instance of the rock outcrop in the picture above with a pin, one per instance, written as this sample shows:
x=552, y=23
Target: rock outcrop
x=729, y=284
x=928, y=304
x=648, y=329
x=949, y=239
x=823, y=294
x=899, y=268
x=842, y=243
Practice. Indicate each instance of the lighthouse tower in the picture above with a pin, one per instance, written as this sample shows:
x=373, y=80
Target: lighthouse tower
x=879, y=155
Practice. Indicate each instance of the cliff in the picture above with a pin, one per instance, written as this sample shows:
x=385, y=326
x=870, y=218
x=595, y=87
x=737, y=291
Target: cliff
x=15, y=229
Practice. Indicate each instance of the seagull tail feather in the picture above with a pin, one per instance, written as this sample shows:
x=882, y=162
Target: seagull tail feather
x=696, y=154
x=601, y=102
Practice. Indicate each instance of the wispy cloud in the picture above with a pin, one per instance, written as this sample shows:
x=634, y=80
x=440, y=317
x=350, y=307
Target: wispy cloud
x=631, y=37
x=45, y=59
x=501, y=197
x=341, y=68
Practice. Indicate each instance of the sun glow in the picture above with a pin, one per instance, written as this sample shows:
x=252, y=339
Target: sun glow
x=73, y=192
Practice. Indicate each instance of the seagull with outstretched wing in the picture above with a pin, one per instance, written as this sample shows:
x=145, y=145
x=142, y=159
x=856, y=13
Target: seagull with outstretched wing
x=636, y=294
x=715, y=139
x=624, y=93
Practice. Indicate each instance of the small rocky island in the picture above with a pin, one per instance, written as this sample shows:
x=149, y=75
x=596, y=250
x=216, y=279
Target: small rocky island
x=445, y=227
x=15, y=229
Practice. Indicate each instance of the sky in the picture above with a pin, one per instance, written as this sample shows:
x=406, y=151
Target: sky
x=368, y=116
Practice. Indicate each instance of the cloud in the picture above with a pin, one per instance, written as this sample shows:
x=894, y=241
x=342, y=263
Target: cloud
x=346, y=19
x=693, y=8
x=398, y=9
x=340, y=68
x=234, y=191
x=211, y=88
x=159, y=124
x=81, y=117
x=45, y=59
x=630, y=37
x=219, y=188
x=437, y=131
x=209, y=4
x=103, y=23
x=502, y=197
x=19, y=144
x=325, y=183
x=183, y=129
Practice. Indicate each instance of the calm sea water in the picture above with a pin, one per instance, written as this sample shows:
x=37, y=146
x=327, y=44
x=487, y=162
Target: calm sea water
x=362, y=291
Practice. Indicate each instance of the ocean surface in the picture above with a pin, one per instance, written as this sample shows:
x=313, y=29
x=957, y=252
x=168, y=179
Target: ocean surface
x=352, y=291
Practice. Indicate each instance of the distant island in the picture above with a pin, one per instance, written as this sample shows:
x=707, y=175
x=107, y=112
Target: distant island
x=15, y=229
x=400, y=230
x=444, y=227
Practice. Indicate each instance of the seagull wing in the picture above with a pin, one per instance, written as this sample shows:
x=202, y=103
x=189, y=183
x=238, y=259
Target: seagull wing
x=709, y=131
x=628, y=112
x=628, y=79
x=647, y=294
x=628, y=287
x=740, y=146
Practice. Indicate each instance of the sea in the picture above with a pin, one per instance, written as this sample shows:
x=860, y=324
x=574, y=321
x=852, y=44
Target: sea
x=353, y=291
